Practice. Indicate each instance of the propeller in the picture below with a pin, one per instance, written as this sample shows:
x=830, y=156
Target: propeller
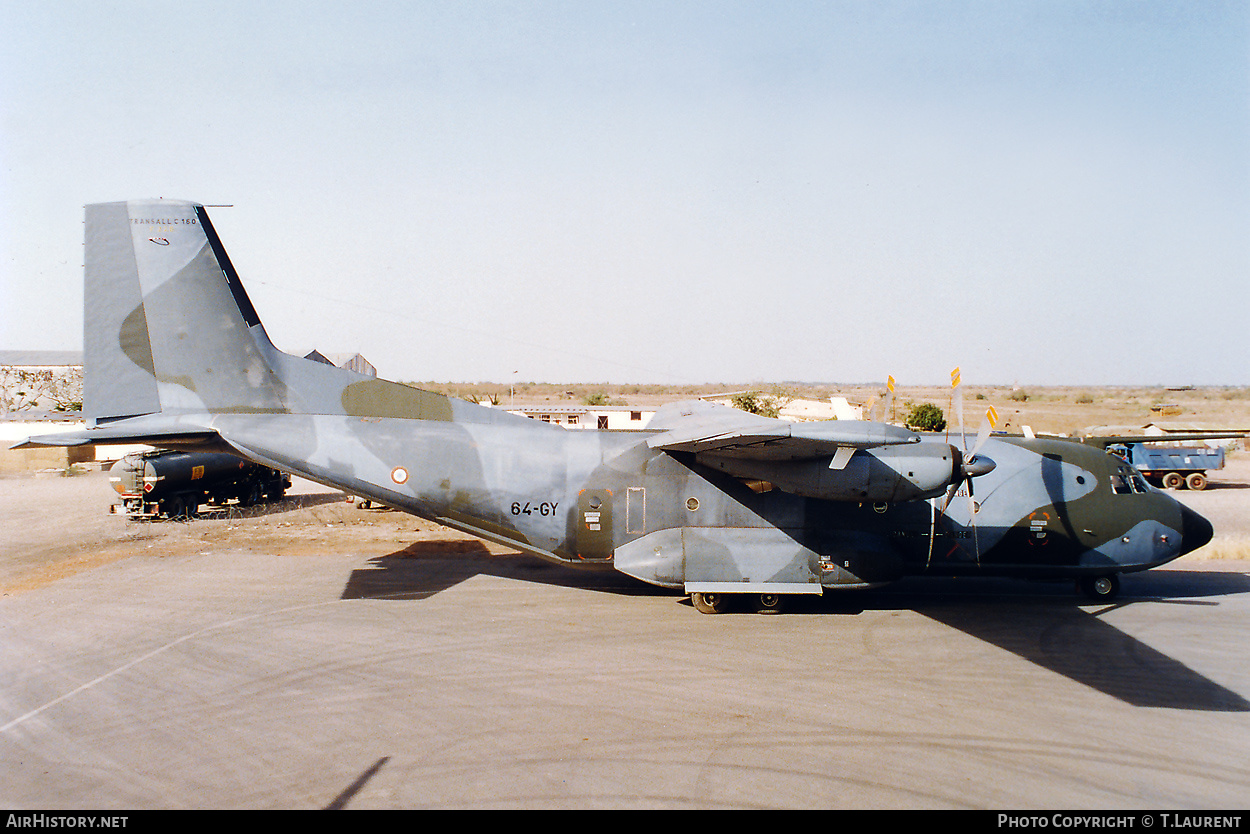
x=969, y=462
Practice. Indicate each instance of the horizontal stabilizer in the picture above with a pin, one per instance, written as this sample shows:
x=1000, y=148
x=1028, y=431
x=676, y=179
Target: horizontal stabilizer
x=154, y=436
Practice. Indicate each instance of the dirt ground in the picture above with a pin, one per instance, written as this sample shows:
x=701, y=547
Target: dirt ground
x=52, y=527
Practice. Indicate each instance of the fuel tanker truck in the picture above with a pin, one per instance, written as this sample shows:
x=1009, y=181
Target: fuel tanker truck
x=167, y=484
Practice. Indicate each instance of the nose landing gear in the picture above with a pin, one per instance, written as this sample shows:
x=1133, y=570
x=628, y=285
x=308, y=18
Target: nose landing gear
x=1099, y=588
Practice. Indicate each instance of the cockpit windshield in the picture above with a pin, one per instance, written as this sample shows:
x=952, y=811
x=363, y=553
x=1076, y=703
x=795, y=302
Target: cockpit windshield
x=1128, y=483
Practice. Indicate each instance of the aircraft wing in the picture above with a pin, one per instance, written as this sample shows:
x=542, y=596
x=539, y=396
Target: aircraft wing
x=1104, y=441
x=708, y=427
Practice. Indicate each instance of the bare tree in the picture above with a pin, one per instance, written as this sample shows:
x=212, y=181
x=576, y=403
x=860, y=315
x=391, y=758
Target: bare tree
x=65, y=390
x=20, y=388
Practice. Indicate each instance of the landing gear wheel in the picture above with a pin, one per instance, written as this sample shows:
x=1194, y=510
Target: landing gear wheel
x=1100, y=588
x=769, y=603
x=1196, y=480
x=710, y=603
x=1173, y=480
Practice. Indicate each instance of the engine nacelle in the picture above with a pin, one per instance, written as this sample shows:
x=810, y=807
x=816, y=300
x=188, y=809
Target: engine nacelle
x=887, y=473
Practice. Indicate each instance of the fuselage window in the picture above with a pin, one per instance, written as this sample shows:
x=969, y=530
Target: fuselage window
x=636, y=510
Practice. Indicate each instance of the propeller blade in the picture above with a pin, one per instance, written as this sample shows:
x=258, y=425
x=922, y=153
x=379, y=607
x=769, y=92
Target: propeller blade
x=881, y=411
x=987, y=425
x=957, y=398
x=950, y=493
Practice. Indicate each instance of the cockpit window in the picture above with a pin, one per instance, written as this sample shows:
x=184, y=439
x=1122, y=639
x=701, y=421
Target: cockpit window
x=1128, y=483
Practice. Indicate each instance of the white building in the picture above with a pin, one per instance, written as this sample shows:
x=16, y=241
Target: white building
x=614, y=417
x=800, y=410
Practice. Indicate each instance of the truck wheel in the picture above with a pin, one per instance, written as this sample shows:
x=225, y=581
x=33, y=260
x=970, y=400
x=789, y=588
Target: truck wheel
x=1173, y=480
x=1196, y=480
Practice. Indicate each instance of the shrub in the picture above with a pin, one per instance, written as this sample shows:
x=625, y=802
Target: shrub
x=926, y=417
x=755, y=403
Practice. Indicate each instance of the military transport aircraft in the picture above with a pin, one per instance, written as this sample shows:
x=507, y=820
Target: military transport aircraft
x=715, y=502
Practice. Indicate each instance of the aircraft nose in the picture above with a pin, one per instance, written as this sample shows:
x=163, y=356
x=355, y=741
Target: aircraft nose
x=1195, y=530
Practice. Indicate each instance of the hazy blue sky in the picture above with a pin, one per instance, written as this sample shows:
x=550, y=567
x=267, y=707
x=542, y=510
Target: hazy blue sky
x=1040, y=192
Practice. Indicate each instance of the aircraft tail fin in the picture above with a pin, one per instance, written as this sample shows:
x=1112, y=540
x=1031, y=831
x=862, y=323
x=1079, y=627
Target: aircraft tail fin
x=169, y=330
x=169, y=327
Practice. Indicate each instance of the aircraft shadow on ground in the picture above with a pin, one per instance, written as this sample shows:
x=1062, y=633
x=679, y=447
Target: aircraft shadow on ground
x=1046, y=624
x=1051, y=626
x=1074, y=640
x=424, y=568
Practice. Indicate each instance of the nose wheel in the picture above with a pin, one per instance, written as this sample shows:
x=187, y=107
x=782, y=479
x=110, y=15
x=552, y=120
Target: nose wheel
x=1099, y=588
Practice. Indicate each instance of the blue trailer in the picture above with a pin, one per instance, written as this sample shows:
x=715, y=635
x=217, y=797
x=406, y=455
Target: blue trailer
x=1173, y=465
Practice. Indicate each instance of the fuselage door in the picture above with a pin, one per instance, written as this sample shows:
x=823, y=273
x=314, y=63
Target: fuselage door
x=594, y=524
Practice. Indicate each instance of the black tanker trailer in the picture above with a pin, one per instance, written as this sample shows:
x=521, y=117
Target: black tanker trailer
x=167, y=484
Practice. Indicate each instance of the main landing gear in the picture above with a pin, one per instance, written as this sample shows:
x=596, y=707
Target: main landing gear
x=716, y=603
x=1102, y=588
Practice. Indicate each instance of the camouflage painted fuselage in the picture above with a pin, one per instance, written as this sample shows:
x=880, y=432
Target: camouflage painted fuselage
x=176, y=354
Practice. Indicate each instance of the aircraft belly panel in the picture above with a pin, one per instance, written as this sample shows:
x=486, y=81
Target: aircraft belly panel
x=656, y=558
x=737, y=559
x=751, y=556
